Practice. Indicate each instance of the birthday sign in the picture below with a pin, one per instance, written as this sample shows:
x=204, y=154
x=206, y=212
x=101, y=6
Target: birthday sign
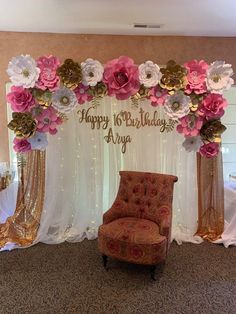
x=124, y=118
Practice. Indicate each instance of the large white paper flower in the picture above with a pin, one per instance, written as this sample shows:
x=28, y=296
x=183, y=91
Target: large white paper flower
x=149, y=74
x=23, y=71
x=177, y=105
x=64, y=100
x=192, y=144
x=92, y=72
x=38, y=141
x=219, y=77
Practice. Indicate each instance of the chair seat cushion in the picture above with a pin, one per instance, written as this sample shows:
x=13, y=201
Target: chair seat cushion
x=132, y=239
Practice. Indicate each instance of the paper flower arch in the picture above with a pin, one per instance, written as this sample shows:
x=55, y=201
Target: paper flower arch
x=45, y=90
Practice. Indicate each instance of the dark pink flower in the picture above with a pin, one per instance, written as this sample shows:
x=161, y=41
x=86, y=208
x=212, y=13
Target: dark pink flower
x=209, y=150
x=48, y=77
x=196, y=77
x=48, y=121
x=21, y=145
x=122, y=77
x=213, y=106
x=190, y=125
x=157, y=96
x=82, y=95
x=20, y=99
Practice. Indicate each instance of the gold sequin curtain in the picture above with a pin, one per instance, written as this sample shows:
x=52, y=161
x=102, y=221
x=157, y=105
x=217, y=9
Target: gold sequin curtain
x=22, y=227
x=210, y=197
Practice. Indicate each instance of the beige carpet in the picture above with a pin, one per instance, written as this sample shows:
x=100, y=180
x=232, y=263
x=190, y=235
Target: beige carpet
x=69, y=278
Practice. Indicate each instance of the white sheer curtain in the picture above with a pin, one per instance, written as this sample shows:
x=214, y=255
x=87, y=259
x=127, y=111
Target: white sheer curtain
x=83, y=174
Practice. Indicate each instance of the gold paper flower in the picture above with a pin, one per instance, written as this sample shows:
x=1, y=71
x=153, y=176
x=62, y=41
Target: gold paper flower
x=22, y=124
x=98, y=91
x=212, y=130
x=173, y=76
x=143, y=93
x=195, y=101
x=44, y=98
x=70, y=73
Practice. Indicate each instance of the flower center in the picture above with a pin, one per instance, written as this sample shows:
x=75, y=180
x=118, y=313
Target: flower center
x=216, y=78
x=175, y=106
x=149, y=75
x=46, y=120
x=91, y=74
x=65, y=100
x=158, y=94
x=81, y=91
x=121, y=78
x=25, y=73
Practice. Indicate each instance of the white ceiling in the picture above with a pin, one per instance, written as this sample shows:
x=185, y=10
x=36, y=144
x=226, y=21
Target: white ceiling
x=177, y=17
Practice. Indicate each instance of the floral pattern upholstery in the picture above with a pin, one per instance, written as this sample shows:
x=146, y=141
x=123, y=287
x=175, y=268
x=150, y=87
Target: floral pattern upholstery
x=137, y=227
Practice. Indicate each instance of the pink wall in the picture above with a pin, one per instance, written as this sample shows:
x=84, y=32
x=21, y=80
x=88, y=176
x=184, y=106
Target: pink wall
x=105, y=47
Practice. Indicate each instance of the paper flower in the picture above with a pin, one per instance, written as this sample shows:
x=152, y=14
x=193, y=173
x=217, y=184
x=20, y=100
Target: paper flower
x=21, y=146
x=48, y=77
x=64, y=100
x=38, y=141
x=98, y=91
x=43, y=98
x=48, y=121
x=219, y=77
x=20, y=99
x=121, y=77
x=190, y=125
x=213, y=106
x=176, y=106
x=81, y=93
x=157, y=96
x=173, y=76
x=92, y=72
x=196, y=77
x=23, y=124
x=192, y=144
x=70, y=73
x=23, y=71
x=209, y=150
x=212, y=130
x=149, y=74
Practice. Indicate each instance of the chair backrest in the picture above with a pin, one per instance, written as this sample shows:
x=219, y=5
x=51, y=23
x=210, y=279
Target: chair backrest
x=144, y=194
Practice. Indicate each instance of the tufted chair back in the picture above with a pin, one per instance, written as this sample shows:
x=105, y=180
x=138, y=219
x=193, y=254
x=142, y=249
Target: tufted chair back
x=143, y=195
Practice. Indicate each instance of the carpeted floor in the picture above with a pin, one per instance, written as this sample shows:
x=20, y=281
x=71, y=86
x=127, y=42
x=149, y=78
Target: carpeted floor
x=69, y=278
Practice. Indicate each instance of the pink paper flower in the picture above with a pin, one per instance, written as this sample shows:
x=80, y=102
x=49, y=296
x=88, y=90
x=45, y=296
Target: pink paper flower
x=213, y=106
x=121, y=76
x=82, y=95
x=20, y=99
x=48, y=121
x=21, y=146
x=190, y=125
x=48, y=77
x=209, y=150
x=157, y=96
x=196, y=77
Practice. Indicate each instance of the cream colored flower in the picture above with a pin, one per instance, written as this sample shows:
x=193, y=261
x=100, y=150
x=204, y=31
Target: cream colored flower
x=23, y=71
x=92, y=72
x=64, y=100
x=192, y=144
x=149, y=74
x=176, y=106
x=219, y=77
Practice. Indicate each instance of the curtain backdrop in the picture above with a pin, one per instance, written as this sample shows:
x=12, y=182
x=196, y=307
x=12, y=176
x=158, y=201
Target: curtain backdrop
x=82, y=173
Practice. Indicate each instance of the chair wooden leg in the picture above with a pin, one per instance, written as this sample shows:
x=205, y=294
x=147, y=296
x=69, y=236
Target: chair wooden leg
x=152, y=271
x=104, y=258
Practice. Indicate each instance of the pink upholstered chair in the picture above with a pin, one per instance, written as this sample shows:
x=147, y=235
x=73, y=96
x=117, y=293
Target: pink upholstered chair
x=137, y=228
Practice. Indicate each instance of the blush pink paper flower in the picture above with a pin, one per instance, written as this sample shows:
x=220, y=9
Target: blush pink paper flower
x=190, y=125
x=21, y=146
x=82, y=95
x=20, y=99
x=48, y=77
x=48, y=121
x=122, y=77
x=213, y=106
x=157, y=96
x=196, y=76
x=209, y=150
